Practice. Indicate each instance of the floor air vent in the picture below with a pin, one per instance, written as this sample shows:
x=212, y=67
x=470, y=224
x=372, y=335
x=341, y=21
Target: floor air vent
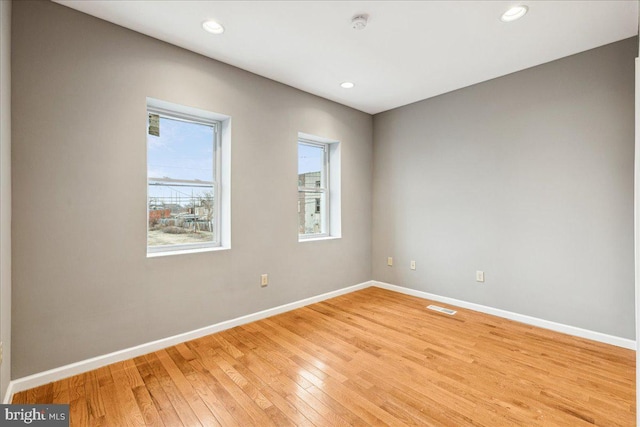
x=442, y=309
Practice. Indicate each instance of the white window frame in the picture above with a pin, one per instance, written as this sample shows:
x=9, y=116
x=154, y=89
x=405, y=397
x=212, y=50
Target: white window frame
x=324, y=188
x=329, y=185
x=221, y=178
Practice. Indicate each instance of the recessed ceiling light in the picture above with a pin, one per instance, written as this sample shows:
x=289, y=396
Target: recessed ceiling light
x=213, y=27
x=514, y=13
x=346, y=85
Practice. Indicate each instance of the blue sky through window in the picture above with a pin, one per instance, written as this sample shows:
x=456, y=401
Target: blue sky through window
x=310, y=158
x=183, y=151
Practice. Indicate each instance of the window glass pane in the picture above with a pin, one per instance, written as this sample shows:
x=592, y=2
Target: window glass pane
x=310, y=180
x=310, y=163
x=311, y=206
x=181, y=188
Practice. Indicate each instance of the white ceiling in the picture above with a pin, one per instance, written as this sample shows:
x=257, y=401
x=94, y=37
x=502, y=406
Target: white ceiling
x=408, y=52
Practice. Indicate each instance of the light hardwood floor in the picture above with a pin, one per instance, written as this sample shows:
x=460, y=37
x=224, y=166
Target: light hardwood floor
x=372, y=357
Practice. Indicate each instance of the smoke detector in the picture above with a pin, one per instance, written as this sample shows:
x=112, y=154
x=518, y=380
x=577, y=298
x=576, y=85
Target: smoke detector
x=358, y=22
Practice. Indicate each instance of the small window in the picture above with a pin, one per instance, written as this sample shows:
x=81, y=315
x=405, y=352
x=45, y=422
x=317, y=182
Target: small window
x=184, y=204
x=318, y=188
x=313, y=189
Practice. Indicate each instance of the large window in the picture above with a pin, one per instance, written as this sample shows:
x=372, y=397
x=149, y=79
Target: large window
x=183, y=179
x=318, y=188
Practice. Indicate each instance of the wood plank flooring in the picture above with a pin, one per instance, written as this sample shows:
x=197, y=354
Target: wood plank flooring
x=372, y=357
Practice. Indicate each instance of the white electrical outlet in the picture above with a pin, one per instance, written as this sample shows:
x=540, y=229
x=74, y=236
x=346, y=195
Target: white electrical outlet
x=390, y=261
x=264, y=280
x=413, y=265
x=479, y=276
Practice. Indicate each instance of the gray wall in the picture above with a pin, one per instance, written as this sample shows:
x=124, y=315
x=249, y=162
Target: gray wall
x=82, y=283
x=637, y=228
x=529, y=178
x=5, y=194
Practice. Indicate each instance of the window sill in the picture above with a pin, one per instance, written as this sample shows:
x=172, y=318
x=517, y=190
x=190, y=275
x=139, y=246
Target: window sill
x=315, y=239
x=186, y=251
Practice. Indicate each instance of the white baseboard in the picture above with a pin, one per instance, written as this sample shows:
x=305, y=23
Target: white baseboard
x=66, y=371
x=534, y=321
x=76, y=368
x=8, y=394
